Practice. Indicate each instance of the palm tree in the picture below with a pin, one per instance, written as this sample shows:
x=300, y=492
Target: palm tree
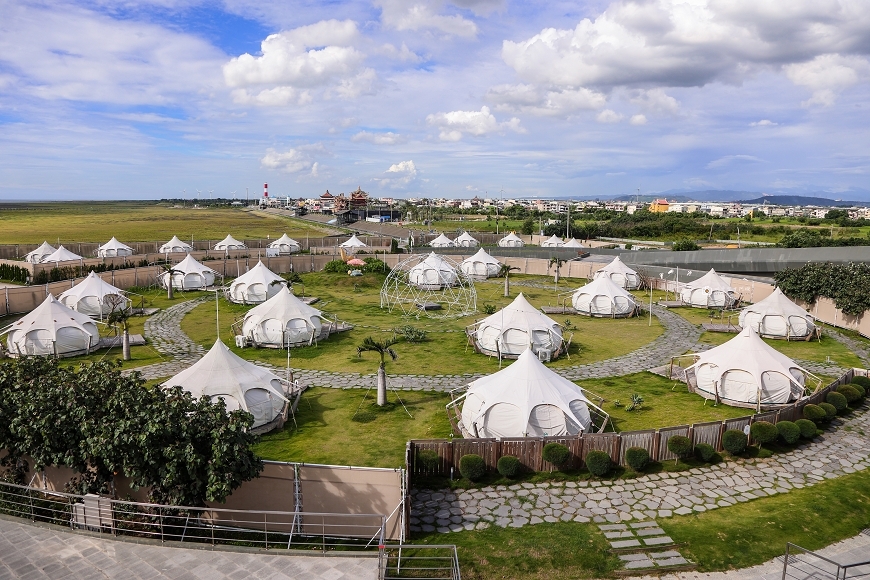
x=558, y=264
x=383, y=348
x=120, y=318
x=169, y=271
x=505, y=271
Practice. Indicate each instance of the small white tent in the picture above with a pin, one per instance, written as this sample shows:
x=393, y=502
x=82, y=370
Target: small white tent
x=353, y=245
x=709, y=291
x=441, y=241
x=553, y=241
x=480, y=266
x=286, y=245
x=52, y=329
x=778, y=317
x=466, y=240
x=746, y=372
x=36, y=256
x=620, y=274
x=175, y=245
x=188, y=274
x=516, y=327
x=283, y=320
x=229, y=243
x=525, y=399
x=60, y=255
x=602, y=297
x=511, y=241
x=221, y=374
x=573, y=243
x=95, y=297
x=433, y=273
x=255, y=286
x=113, y=248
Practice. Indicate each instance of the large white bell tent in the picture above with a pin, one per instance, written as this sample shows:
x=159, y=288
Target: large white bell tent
x=480, y=266
x=113, y=248
x=709, y=291
x=466, y=240
x=282, y=320
x=602, y=297
x=746, y=372
x=286, y=245
x=60, y=255
x=553, y=241
x=778, y=317
x=353, y=245
x=175, y=245
x=515, y=328
x=573, y=243
x=188, y=274
x=433, y=273
x=94, y=296
x=511, y=241
x=229, y=243
x=52, y=329
x=255, y=286
x=221, y=374
x=441, y=241
x=525, y=399
x=36, y=256
x=620, y=274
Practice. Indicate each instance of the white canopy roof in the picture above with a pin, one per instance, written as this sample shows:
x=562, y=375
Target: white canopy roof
x=284, y=240
x=776, y=304
x=259, y=274
x=480, y=265
x=465, y=239
x=189, y=265
x=229, y=243
x=616, y=265
x=552, y=241
x=603, y=296
x=482, y=256
x=255, y=285
x=711, y=280
x=511, y=240
x=35, y=257
x=573, y=243
x=93, y=296
x=515, y=327
x=114, y=244
x=60, y=255
x=433, y=272
x=353, y=242
x=50, y=326
x=777, y=316
x=175, y=245
x=441, y=241
x=619, y=273
x=283, y=306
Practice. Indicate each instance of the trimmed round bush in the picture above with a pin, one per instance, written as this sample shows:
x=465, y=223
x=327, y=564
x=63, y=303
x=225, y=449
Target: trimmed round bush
x=637, y=458
x=680, y=445
x=705, y=452
x=556, y=453
x=807, y=427
x=814, y=413
x=598, y=463
x=838, y=401
x=829, y=409
x=472, y=467
x=763, y=432
x=509, y=466
x=789, y=432
x=863, y=382
x=862, y=390
x=734, y=441
x=428, y=459
x=851, y=393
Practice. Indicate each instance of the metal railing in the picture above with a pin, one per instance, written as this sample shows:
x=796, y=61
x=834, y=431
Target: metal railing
x=418, y=562
x=805, y=564
x=216, y=526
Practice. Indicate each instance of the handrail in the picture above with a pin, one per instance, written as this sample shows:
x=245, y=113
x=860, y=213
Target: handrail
x=839, y=566
x=419, y=561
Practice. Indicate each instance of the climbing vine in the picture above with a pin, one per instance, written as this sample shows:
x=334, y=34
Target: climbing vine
x=848, y=285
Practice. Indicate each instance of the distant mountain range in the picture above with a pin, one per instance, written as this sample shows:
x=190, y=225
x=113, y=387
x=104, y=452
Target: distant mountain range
x=821, y=199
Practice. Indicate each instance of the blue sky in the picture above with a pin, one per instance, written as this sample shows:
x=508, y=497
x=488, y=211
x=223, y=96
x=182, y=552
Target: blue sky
x=146, y=99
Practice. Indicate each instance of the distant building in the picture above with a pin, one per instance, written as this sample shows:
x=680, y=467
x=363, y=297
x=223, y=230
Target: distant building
x=659, y=206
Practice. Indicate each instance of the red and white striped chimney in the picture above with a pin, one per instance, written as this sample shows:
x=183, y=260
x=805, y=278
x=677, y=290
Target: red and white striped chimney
x=265, y=190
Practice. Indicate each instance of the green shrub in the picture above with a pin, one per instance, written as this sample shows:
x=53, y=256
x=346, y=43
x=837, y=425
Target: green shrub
x=598, y=463
x=862, y=382
x=829, y=409
x=705, y=452
x=472, y=467
x=685, y=246
x=680, y=445
x=489, y=308
x=734, y=441
x=637, y=458
x=509, y=466
x=814, y=413
x=807, y=427
x=838, y=401
x=556, y=453
x=428, y=459
x=789, y=432
x=763, y=432
x=861, y=388
x=851, y=393
x=375, y=265
x=336, y=267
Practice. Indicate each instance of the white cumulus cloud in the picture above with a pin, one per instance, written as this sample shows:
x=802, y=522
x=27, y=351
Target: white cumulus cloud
x=528, y=98
x=455, y=124
x=763, y=123
x=399, y=175
x=294, y=160
x=388, y=138
x=728, y=160
x=827, y=75
x=608, y=116
x=638, y=119
x=425, y=15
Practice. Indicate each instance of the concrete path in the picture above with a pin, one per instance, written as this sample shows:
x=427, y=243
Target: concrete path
x=29, y=551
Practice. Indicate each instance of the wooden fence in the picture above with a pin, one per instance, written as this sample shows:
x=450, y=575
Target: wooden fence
x=529, y=449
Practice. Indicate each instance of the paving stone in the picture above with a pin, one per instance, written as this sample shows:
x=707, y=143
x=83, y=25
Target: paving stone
x=658, y=541
x=646, y=563
x=625, y=544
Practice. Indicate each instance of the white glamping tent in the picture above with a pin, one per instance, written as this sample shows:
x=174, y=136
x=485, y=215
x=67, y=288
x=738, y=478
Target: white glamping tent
x=255, y=286
x=602, y=297
x=553, y=241
x=286, y=245
x=511, y=241
x=525, y=399
x=573, y=243
x=175, y=245
x=36, y=256
x=433, y=273
x=620, y=274
x=746, y=372
x=188, y=274
x=480, y=266
x=60, y=255
x=778, y=317
x=709, y=291
x=221, y=374
x=283, y=320
x=229, y=243
x=466, y=240
x=515, y=328
x=113, y=248
x=353, y=245
x=441, y=241
x=94, y=296
x=52, y=329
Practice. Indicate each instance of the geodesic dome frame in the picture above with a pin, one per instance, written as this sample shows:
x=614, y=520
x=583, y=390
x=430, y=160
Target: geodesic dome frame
x=456, y=297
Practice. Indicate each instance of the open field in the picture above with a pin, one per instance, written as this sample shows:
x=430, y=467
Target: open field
x=137, y=222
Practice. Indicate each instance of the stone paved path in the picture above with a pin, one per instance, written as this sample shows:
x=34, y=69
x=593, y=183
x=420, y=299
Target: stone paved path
x=861, y=350
x=29, y=551
x=164, y=331
x=844, y=448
